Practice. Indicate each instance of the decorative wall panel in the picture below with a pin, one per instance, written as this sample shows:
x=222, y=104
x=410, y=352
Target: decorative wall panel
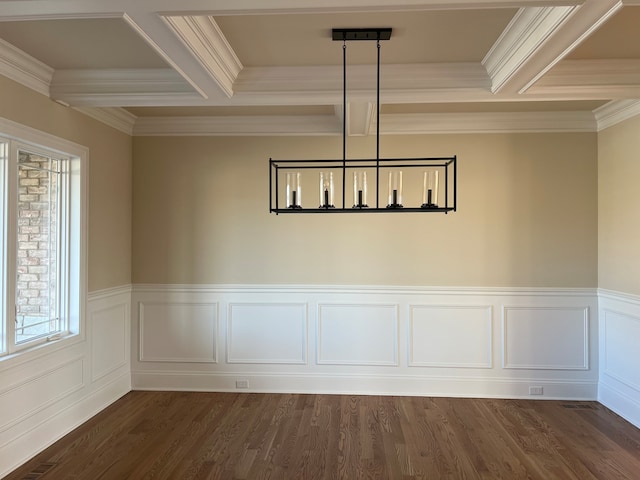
x=109, y=339
x=358, y=334
x=450, y=336
x=267, y=333
x=36, y=393
x=178, y=332
x=546, y=338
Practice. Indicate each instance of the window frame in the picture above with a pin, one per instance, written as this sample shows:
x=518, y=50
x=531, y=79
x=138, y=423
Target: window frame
x=74, y=293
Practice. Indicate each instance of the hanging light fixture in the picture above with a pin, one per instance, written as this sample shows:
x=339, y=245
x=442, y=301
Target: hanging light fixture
x=434, y=171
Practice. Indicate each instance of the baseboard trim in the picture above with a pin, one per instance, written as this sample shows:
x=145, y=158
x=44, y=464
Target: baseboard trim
x=362, y=384
x=31, y=442
x=619, y=402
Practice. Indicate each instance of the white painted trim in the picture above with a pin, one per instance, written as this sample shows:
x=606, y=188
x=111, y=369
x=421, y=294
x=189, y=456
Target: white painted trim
x=115, y=117
x=578, y=25
x=78, y=87
x=619, y=296
x=361, y=82
x=476, y=122
x=605, y=369
x=96, y=8
x=313, y=125
x=140, y=288
x=24, y=69
x=585, y=347
x=366, y=384
x=529, y=29
x=620, y=394
x=622, y=403
x=615, y=112
x=159, y=359
x=489, y=319
x=368, y=370
x=394, y=362
x=390, y=124
x=53, y=428
x=202, y=36
x=51, y=401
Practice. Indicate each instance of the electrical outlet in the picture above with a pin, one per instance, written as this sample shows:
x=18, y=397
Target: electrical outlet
x=242, y=383
x=536, y=391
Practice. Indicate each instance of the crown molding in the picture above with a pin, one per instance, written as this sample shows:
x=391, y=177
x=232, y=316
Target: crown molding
x=117, y=118
x=390, y=124
x=118, y=87
x=611, y=77
x=529, y=29
x=264, y=125
x=204, y=39
x=487, y=122
x=616, y=112
x=24, y=69
x=583, y=21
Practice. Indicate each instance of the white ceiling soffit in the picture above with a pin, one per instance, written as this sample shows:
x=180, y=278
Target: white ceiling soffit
x=527, y=62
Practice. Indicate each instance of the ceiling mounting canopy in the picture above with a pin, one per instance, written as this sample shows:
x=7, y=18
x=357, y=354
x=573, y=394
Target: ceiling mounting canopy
x=343, y=34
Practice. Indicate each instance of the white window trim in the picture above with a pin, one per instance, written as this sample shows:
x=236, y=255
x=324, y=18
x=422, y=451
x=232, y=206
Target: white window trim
x=78, y=185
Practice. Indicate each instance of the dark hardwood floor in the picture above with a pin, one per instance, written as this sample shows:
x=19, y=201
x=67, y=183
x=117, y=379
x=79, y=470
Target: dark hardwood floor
x=178, y=435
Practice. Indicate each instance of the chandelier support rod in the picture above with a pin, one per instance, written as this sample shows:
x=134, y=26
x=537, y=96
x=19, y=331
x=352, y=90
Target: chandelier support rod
x=378, y=125
x=344, y=120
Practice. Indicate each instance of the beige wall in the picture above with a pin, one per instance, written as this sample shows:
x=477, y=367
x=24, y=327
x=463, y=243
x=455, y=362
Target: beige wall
x=109, y=177
x=619, y=207
x=527, y=215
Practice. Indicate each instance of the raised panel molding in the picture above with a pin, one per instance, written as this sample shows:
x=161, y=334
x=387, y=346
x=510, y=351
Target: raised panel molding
x=358, y=334
x=109, y=339
x=34, y=394
x=545, y=338
x=266, y=333
x=619, y=380
x=183, y=332
x=375, y=340
x=450, y=336
x=620, y=358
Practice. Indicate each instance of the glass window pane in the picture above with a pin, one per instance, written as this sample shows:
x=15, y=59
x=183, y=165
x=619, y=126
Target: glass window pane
x=37, y=312
x=4, y=151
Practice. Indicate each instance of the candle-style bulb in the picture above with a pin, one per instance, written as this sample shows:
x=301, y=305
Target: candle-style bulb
x=360, y=189
x=430, y=189
x=395, y=189
x=326, y=190
x=294, y=191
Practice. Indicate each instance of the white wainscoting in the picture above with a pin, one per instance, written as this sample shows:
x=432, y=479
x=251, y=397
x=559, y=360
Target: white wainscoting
x=357, y=334
x=180, y=332
x=47, y=392
x=619, y=387
x=264, y=333
x=369, y=340
x=434, y=329
x=545, y=338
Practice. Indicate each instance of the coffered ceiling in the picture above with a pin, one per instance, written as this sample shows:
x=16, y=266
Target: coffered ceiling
x=269, y=67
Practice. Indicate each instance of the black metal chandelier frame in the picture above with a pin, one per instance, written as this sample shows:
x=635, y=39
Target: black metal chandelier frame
x=446, y=165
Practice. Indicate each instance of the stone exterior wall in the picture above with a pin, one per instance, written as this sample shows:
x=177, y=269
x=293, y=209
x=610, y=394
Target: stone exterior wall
x=38, y=185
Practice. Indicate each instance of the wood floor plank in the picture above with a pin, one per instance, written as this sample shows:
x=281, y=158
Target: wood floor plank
x=229, y=436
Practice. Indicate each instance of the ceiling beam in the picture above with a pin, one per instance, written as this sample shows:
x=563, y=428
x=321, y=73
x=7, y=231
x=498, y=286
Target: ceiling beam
x=206, y=42
x=581, y=22
x=47, y=9
x=529, y=29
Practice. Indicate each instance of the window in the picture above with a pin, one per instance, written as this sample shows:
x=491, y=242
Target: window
x=42, y=241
